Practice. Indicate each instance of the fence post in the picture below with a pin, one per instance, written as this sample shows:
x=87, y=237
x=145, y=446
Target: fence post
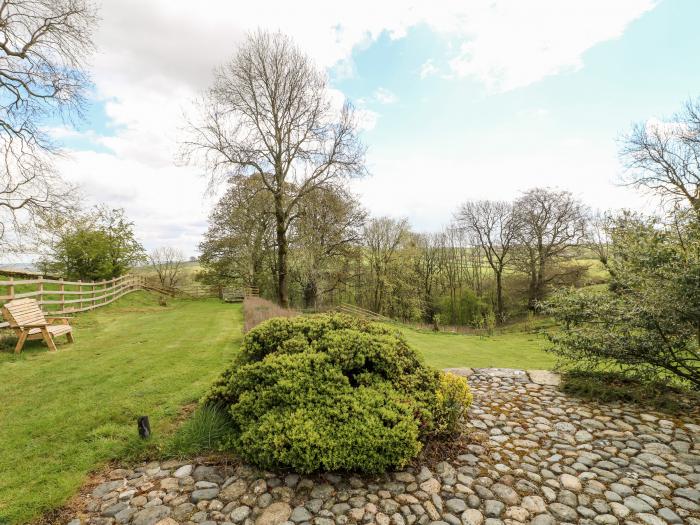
x=92, y=302
x=80, y=293
x=62, y=289
x=41, y=291
x=12, y=288
x=104, y=290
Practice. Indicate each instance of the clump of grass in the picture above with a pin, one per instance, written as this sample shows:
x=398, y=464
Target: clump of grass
x=257, y=310
x=205, y=431
x=614, y=386
x=7, y=341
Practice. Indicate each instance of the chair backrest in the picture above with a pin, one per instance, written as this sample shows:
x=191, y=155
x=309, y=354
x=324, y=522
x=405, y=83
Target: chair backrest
x=22, y=312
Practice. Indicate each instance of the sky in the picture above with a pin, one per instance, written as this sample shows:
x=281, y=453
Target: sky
x=460, y=100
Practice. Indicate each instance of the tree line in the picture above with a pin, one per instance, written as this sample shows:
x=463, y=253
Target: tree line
x=268, y=130
x=496, y=258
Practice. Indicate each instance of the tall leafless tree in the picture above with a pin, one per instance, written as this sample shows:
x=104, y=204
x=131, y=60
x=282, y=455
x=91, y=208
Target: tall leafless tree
x=383, y=237
x=269, y=113
x=664, y=157
x=167, y=262
x=599, y=236
x=494, y=226
x=427, y=264
x=44, y=45
x=550, y=224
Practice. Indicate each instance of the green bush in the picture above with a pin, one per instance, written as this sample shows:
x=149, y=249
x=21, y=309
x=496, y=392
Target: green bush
x=646, y=324
x=332, y=392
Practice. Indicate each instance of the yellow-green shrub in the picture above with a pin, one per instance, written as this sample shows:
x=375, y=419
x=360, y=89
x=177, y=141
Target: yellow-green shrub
x=331, y=392
x=453, y=400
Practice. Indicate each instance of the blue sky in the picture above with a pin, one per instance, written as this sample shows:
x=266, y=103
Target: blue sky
x=459, y=100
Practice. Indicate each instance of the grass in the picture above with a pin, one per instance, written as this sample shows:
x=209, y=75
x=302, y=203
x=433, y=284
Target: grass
x=64, y=414
x=511, y=349
x=205, y=431
x=256, y=310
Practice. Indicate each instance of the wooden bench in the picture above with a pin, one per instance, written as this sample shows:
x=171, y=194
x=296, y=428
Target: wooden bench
x=28, y=321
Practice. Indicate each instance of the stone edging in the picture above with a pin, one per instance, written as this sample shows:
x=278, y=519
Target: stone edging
x=539, y=377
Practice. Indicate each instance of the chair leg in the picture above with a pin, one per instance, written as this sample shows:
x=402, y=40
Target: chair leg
x=69, y=336
x=48, y=339
x=20, y=342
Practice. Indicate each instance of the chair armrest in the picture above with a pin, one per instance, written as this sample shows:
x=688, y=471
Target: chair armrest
x=33, y=325
x=58, y=320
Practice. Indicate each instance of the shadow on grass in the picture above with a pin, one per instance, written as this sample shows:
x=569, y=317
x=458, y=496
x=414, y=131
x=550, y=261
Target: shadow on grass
x=609, y=387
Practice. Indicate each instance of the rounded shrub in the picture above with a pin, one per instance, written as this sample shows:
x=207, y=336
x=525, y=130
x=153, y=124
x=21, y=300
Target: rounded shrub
x=332, y=392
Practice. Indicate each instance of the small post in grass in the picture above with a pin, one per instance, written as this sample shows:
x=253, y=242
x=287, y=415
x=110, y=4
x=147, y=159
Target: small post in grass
x=144, y=427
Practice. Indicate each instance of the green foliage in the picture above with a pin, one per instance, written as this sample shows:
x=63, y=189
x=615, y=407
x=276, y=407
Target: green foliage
x=99, y=245
x=464, y=309
x=453, y=399
x=331, y=392
x=647, y=323
x=205, y=431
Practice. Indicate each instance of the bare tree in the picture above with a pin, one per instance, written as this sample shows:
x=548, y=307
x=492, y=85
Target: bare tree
x=44, y=45
x=427, y=263
x=167, y=262
x=665, y=156
x=269, y=113
x=550, y=224
x=494, y=226
x=383, y=237
x=599, y=236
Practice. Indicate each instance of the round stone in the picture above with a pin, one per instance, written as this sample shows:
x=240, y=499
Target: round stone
x=240, y=513
x=472, y=517
x=570, y=482
x=456, y=505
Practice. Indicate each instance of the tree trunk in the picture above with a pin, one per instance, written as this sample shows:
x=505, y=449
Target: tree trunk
x=539, y=289
x=310, y=294
x=282, y=294
x=499, y=297
x=532, y=289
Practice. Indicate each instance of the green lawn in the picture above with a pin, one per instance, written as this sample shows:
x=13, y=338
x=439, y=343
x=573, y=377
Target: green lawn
x=506, y=350
x=65, y=413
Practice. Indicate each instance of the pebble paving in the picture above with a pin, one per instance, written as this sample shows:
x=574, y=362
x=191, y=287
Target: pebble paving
x=534, y=455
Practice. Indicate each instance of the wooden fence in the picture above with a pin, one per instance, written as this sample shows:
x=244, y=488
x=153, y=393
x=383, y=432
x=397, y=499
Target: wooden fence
x=356, y=311
x=237, y=295
x=57, y=296
x=195, y=290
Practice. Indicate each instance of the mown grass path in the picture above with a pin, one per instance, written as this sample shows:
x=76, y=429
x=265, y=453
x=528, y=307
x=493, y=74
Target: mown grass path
x=506, y=350
x=63, y=414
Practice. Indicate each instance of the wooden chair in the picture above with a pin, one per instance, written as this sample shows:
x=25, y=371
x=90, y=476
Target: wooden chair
x=29, y=323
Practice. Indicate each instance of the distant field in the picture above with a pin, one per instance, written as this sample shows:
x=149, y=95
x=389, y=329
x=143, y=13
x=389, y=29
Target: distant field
x=513, y=349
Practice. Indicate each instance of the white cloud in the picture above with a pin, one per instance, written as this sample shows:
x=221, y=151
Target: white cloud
x=428, y=69
x=155, y=56
x=384, y=96
x=428, y=185
x=667, y=129
x=507, y=45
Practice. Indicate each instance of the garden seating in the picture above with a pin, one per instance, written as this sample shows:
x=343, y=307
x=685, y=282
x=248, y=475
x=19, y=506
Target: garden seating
x=29, y=323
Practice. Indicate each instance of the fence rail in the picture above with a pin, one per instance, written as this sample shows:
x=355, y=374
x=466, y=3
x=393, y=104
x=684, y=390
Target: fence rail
x=356, y=311
x=237, y=295
x=57, y=296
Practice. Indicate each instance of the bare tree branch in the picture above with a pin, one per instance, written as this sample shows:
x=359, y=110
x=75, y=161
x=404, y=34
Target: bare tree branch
x=44, y=45
x=268, y=113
